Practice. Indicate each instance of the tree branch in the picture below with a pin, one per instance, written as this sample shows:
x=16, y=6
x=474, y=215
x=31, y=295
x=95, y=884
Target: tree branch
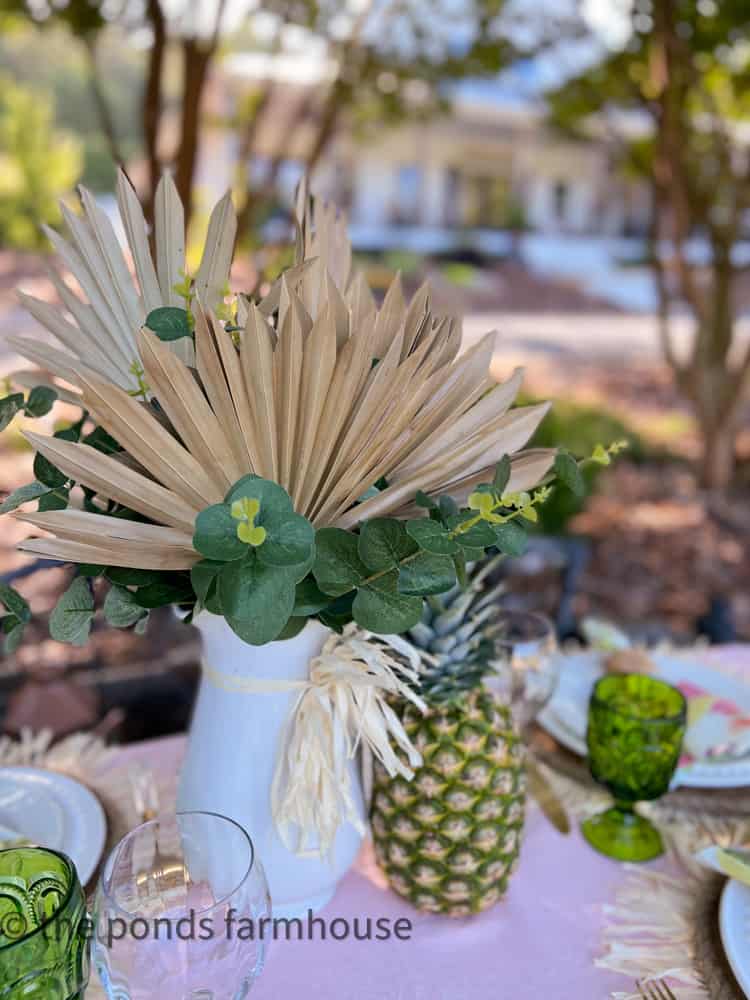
x=196, y=61
x=100, y=100
x=152, y=100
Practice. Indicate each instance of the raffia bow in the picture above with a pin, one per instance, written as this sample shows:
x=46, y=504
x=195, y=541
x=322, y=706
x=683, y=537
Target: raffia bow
x=343, y=705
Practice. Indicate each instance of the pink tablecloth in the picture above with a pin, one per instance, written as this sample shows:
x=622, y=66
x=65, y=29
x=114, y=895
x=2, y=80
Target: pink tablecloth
x=538, y=944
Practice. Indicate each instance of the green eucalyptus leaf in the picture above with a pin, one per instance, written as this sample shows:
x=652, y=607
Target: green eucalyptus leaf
x=47, y=473
x=427, y=573
x=502, y=475
x=121, y=609
x=9, y=407
x=71, y=619
x=273, y=499
x=73, y=432
x=479, y=536
x=332, y=622
x=102, y=441
x=142, y=624
x=13, y=635
x=40, y=402
x=422, y=500
x=55, y=500
x=293, y=627
x=309, y=598
x=383, y=543
x=31, y=491
x=290, y=540
x=215, y=534
x=169, y=323
x=338, y=567
x=447, y=507
x=127, y=576
x=510, y=538
x=338, y=613
x=15, y=603
x=257, y=600
x=204, y=576
x=89, y=569
x=369, y=494
x=157, y=595
x=431, y=536
x=380, y=608
x=568, y=472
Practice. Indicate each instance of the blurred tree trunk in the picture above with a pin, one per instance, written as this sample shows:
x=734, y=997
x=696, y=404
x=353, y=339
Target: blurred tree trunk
x=100, y=99
x=152, y=103
x=196, y=60
x=682, y=206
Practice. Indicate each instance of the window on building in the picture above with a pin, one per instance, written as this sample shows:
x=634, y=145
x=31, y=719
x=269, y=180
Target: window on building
x=407, y=209
x=561, y=201
x=452, y=198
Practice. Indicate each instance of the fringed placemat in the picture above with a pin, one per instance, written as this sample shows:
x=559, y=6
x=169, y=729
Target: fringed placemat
x=664, y=924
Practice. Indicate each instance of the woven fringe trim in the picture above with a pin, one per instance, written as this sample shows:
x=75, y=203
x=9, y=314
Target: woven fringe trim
x=79, y=754
x=648, y=933
x=650, y=930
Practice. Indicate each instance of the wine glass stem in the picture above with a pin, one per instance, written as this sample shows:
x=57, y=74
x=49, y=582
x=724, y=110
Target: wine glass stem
x=624, y=807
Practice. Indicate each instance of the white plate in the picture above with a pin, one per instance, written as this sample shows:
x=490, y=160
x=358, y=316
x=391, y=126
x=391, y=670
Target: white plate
x=565, y=715
x=734, y=924
x=52, y=810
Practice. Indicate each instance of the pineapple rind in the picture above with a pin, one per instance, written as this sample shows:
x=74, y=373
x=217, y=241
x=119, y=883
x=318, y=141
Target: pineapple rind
x=449, y=840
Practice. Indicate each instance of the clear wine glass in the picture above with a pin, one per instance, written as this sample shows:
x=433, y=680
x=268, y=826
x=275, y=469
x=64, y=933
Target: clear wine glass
x=182, y=905
x=525, y=666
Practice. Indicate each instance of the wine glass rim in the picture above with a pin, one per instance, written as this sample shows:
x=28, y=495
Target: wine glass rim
x=677, y=716
x=68, y=862
x=111, y=901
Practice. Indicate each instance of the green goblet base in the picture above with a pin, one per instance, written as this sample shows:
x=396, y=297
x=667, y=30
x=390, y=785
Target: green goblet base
x=624, y=835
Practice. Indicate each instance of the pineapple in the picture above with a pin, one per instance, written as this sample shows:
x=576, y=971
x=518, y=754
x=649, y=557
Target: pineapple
x=449, y=839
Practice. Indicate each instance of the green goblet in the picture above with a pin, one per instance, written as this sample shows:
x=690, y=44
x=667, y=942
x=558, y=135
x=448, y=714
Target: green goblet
x=44, y=952
x=635, y=731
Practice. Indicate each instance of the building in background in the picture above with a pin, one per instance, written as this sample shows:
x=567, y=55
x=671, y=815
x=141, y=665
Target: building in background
x=465, y=178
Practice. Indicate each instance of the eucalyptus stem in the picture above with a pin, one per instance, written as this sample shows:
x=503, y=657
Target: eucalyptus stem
x=460, y=529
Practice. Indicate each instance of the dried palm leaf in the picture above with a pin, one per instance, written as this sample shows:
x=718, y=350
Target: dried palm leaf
x=101, y=332
x=320, y=391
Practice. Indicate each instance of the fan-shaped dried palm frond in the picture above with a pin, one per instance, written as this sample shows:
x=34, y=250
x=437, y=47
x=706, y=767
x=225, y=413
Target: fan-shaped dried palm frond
x=98, y=336
x=320, y=391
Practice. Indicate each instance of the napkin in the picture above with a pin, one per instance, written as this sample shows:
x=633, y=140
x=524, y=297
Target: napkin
x=731, y=861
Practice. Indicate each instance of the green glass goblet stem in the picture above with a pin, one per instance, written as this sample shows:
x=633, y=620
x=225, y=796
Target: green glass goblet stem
x=635, y=731
x=44, y=929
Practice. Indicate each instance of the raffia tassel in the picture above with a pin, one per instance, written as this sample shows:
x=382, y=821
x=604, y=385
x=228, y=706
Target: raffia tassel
x=649, y=933
x=342, y=707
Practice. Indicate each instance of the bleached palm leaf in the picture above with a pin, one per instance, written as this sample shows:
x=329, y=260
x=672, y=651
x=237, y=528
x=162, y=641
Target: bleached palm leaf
x=99, y=330
x=319, y=390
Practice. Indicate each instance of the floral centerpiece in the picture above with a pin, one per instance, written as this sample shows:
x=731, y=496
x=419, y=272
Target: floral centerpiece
x=286, y=470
